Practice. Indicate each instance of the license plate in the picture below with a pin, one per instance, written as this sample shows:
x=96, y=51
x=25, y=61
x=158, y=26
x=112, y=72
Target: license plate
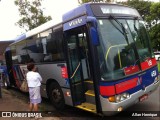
x=143, y=97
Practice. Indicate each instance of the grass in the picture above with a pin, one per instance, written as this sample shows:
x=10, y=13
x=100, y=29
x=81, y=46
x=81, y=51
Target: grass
x=159, y=66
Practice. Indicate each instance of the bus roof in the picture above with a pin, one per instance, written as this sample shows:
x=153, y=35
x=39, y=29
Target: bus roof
x=36, y=30
x=42, y=28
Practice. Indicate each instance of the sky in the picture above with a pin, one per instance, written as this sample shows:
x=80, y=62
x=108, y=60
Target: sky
x=9, y=15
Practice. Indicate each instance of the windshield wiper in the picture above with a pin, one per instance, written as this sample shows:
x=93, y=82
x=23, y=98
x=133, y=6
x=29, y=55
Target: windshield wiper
x=124, y=32
x=135, y=28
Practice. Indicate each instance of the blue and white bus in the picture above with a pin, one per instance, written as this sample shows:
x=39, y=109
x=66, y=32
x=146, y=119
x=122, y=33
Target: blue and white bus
x=98, y=58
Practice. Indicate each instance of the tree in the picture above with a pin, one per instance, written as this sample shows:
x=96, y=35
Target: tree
x=143, y=7
x=150, y=12
x=154, y=20
x=31, y=14
x=84, y=1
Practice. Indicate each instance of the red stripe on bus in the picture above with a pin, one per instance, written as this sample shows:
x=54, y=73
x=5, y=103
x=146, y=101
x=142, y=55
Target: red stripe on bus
x=107, y=90
x=148, y=63
x=123, y=86
x=131, y=69
x=16, y=79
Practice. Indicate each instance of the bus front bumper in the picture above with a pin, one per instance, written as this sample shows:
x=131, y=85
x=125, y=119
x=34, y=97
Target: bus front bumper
x=110, y=108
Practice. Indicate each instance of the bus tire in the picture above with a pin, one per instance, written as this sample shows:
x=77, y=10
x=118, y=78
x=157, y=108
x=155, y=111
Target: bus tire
x=56, y=96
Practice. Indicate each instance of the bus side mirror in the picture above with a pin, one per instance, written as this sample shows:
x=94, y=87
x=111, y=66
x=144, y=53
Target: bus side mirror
x=93, y=32
x=94, y=36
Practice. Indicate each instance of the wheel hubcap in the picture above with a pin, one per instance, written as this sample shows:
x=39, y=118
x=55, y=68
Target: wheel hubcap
x=56, y=95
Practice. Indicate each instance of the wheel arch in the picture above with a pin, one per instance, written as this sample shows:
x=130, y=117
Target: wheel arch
x=58, y=100
x=48, y=83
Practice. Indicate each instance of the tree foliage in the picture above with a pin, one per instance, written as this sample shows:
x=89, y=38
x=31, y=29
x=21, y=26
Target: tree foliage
x=143, y=7
x=154, y=20
x=150, y=12
x=31, y=14
x=85, y=1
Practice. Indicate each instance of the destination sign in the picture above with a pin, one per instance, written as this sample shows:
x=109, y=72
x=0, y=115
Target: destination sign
x=102, y=10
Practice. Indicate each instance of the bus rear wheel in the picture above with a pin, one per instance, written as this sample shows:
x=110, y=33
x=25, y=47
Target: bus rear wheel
x=56, y=96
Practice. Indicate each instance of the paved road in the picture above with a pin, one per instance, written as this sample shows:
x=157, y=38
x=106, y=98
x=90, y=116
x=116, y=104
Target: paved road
x=70, y=113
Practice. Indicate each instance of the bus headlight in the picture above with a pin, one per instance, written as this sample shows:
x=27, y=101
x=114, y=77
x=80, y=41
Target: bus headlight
x=126, y=95
x=122, y=97
x=119, y=98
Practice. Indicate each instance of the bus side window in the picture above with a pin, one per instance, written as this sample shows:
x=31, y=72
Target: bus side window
x=25, y=59
x=54, y=45
x=33, y=49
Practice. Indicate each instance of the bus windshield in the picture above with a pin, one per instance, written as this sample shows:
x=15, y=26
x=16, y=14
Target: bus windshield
x=124, y=44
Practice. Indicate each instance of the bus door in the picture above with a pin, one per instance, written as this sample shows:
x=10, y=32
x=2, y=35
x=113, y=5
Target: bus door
x=79, y=70
x=8, y=58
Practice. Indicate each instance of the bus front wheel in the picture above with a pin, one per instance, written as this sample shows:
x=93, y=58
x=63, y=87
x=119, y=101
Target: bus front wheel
x=56, y=96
